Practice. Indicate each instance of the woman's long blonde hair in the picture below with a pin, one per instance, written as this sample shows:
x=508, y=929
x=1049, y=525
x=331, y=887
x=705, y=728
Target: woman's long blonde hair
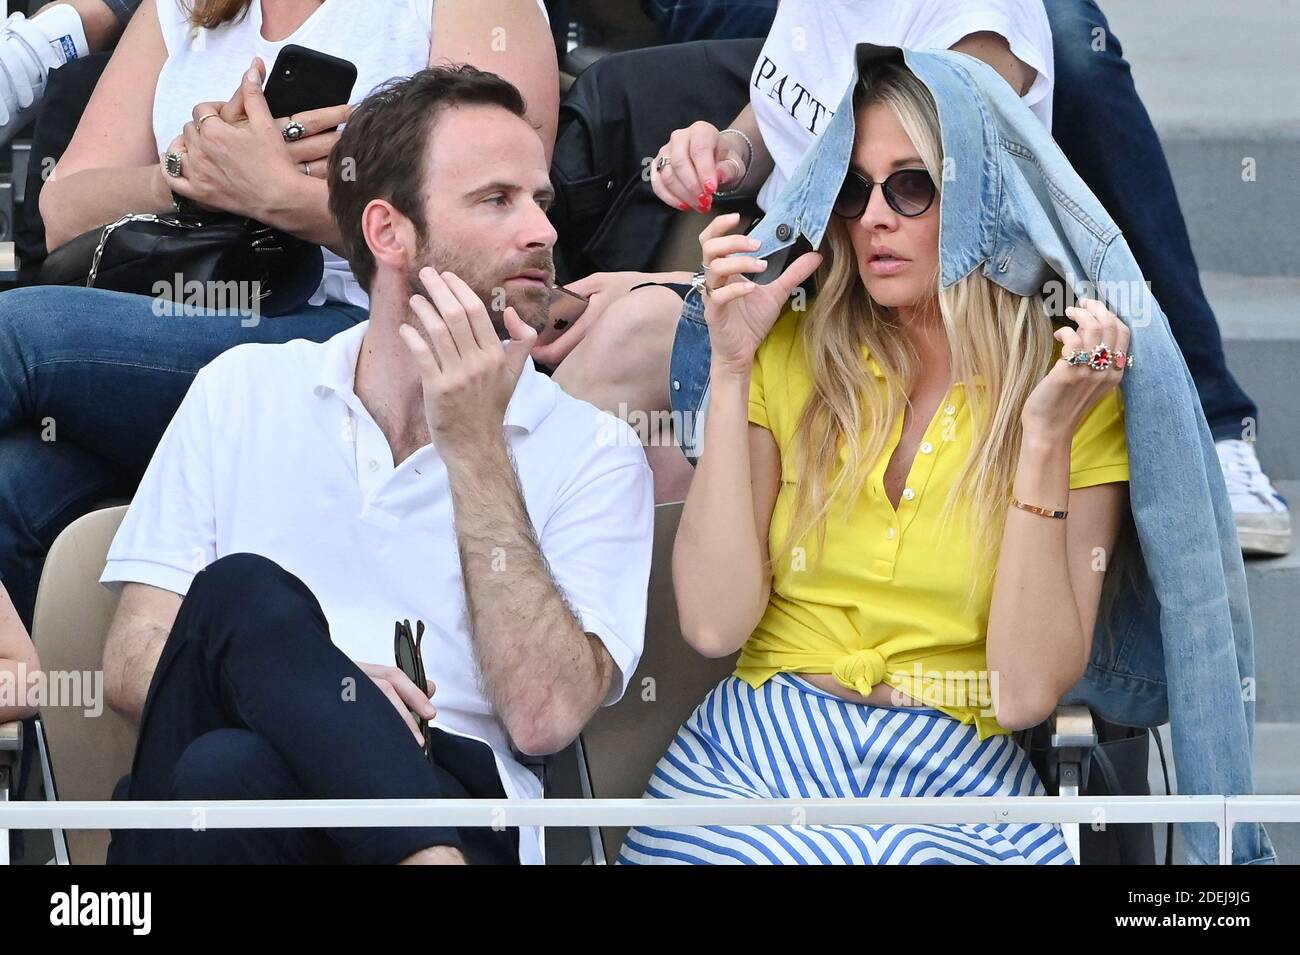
x=994, y=335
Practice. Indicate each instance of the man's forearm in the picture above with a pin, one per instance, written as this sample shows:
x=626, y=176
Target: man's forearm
x=544, y=675
x=128, y=669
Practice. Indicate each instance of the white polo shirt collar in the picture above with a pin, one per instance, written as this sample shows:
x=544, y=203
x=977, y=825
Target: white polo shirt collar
x=532, y=401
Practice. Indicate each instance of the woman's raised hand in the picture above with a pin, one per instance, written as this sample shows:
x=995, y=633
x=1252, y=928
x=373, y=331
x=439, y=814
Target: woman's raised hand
x=739, y=312
x=696, y=162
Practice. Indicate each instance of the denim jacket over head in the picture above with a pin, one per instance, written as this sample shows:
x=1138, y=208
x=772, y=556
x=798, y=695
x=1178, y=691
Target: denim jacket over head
x=1013, y=207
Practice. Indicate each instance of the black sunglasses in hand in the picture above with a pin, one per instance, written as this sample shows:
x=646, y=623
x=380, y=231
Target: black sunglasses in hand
x=406, y=647
x=909, y=192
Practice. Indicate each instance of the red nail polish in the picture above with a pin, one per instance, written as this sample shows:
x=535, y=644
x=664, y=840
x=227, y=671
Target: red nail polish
x=708, y=203
x=684, y=207
x=709, y=186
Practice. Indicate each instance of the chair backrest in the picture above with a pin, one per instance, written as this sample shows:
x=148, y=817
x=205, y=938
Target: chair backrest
x=88, y=754
x=623, y=742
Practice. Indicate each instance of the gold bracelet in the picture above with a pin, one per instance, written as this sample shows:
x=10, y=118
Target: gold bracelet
x=1044, y=511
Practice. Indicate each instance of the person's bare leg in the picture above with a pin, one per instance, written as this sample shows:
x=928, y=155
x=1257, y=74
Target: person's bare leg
x=622, y=367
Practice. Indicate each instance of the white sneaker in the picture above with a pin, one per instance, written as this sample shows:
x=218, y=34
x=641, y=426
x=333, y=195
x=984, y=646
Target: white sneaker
x=1263, y=520
x=29, y=49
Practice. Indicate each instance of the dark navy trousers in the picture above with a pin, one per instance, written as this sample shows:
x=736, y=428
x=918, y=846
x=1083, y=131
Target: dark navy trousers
x=252, y=700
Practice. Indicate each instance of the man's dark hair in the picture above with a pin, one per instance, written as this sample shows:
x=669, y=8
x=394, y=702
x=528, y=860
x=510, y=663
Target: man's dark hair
x=381, y=153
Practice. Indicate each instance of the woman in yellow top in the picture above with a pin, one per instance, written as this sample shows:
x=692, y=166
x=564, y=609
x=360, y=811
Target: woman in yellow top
x=879, y=524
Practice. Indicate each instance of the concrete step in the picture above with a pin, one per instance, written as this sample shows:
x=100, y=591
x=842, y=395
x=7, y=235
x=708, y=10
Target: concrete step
x=1259, y=319
x=1220, y=84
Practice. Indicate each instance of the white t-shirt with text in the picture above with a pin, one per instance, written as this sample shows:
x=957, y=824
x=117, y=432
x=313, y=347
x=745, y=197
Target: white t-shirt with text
x=807, y=60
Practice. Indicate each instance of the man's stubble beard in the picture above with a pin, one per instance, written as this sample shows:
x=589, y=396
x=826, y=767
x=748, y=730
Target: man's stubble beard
x=533, y=307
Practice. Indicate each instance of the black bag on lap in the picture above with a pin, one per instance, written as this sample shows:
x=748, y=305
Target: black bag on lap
x=208, y=250
x=211, y=259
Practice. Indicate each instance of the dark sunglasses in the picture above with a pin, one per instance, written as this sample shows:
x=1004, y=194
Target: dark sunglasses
x=406, y=647
x=909, y=192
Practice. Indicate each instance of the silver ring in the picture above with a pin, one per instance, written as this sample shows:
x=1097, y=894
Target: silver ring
x=306, y=169
x=660, y=163
x=172, y=164
x=700, y=285
x=293, y=131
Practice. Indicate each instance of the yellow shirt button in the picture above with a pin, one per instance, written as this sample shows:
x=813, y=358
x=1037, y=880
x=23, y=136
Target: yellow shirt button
x=951, y=409
x=927, y=448
x=908, y=494
x=889, y=534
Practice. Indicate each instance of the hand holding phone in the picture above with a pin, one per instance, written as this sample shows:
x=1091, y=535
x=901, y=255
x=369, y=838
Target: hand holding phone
x=305, y=80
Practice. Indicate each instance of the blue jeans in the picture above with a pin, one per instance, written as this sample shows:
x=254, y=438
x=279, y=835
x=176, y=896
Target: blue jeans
x=89, y=380
x=681, y=21
x=245, y=704
x=1098, y=118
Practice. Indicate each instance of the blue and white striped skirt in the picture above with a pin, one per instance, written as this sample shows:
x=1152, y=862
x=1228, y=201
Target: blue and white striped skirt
x=791, y=740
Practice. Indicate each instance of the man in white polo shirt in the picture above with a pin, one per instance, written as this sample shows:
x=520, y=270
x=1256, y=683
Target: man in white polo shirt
x=307, y=496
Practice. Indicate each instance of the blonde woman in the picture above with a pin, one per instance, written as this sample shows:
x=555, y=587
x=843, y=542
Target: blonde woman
x=898, y=613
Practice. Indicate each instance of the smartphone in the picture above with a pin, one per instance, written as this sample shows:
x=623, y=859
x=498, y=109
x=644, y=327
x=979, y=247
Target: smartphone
x=304, y=79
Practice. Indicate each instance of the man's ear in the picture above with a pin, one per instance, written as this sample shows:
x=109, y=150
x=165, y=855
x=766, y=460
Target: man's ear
x=389, y=234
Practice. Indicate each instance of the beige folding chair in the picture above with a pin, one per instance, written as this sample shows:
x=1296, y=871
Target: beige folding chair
x=622, y=744
x=82, y=757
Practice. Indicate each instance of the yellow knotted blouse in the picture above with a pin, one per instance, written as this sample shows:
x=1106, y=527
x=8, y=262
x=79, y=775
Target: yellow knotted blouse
x=887, y=601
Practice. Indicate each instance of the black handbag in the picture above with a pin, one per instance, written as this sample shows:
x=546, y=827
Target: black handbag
x=205, y=259
x=1117, y=766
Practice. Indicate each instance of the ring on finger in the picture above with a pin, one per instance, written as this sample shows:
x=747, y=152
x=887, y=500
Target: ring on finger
x=1099, y=358
x=660, y=163
x=172, y=163
x=293, y=130
x=198, y=123
x=306, y=168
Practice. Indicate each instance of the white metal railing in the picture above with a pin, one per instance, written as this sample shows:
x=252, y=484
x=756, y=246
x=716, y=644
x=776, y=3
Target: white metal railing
x=1222, y=811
